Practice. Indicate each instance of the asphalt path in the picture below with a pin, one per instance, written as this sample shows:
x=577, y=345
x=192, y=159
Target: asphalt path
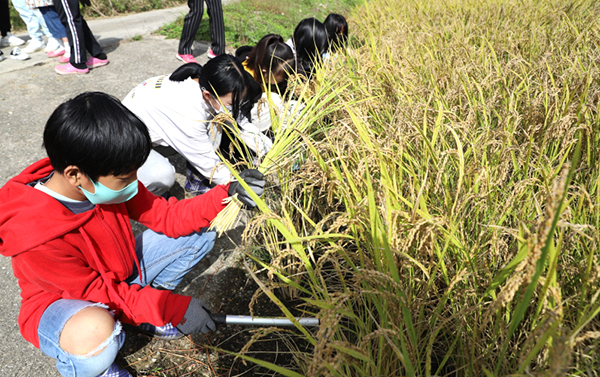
x=29, y=92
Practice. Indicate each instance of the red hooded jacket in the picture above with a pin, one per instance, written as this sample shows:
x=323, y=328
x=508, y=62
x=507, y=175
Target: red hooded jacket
x=88, y=256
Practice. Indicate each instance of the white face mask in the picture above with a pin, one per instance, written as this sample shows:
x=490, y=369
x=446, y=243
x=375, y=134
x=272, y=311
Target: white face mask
x=222, y=109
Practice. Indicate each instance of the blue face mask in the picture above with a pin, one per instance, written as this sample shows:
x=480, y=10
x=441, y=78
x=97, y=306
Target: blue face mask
x=104, y=195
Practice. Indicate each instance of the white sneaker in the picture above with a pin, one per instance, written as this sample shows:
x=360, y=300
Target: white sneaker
x=11, y=40
x=17, y=54
x=34, y=45
x=53, y=44
x=55, y=53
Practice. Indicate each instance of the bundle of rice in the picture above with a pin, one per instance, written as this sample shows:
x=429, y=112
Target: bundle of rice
x=289, y=121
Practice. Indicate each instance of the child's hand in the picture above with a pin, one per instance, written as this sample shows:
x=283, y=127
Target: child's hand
x=196, y=318
x=255, y=180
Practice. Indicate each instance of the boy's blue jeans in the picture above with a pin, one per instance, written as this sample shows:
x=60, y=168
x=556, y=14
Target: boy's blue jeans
x=164, y=262
x=52, y=20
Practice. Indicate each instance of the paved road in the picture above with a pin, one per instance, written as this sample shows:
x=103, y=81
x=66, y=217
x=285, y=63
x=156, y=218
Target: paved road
x=29, y=92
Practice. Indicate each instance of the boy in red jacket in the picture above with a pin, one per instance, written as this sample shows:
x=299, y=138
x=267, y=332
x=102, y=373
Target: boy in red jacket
x=65, y=222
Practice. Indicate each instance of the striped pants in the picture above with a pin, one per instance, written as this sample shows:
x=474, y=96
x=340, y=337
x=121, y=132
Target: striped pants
x=79, y=34
x=191, y=22
x=4, y=18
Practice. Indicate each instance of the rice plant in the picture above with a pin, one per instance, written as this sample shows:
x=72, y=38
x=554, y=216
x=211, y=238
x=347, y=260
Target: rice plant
x=442, y=215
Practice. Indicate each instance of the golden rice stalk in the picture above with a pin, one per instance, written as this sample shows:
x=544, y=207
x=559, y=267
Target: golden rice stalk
x=319, y=97
x=223, y=118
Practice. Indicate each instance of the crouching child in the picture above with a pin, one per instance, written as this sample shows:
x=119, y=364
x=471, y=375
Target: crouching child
x=65, y=222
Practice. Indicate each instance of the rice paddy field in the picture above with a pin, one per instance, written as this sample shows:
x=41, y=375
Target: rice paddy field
x=435, y=203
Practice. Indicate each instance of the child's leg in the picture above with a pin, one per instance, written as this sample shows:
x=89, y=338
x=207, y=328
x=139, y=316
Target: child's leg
x=217, y=26
x=82, y=336
x=42, y=22
x=165, y=261
x=191, y=22
x=30, y=18
x=56, y=27
x=4, y=18
x=91, y=43
x=71, y=18
x=157, y=173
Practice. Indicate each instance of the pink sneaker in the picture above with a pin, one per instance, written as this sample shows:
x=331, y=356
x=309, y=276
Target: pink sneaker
x=95, y=62
x=58, y=52
x=186, y=58
x=68, y=69
x=64, y=59
x=210, y=54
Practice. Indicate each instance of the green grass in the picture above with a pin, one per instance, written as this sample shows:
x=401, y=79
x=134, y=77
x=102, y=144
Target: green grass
x=247, y=21
x=15, y=20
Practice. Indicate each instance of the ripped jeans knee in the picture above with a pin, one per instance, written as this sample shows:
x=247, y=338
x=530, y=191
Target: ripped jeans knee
x=96, y=361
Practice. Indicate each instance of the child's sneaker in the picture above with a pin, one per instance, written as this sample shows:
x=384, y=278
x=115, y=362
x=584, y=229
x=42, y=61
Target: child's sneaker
x=58, y=52
x=34, y=45
x=210, y=54
x=195, y=183
x=95, y=62
x=17, y=54
x=68, y=69
x=53, y=44
x=115, y=371
x=11, y=40
x=186, y=58
x=64, y=58
x=168, y=331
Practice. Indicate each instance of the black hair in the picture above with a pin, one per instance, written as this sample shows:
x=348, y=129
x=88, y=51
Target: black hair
x=96, y=133
x=220, y=76
x=337, y=31
x=189, y=70
x=230, y=152
x=310, y=41
x=242, y=52
x=271, y=54
x=253, y=94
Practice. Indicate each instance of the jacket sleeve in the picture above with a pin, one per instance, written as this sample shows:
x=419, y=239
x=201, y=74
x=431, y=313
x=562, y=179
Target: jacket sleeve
x=60, y=268
x=175, y=218
x=253, y=138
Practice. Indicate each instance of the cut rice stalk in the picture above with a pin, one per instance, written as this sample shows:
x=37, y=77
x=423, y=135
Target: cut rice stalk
x=226, y=218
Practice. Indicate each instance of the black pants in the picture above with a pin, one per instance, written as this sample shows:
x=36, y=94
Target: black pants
x=79, y=34
x=191, y=22
x=4, y=18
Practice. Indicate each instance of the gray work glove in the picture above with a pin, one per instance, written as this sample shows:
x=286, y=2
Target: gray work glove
x=255, y=180
x=196, y=318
